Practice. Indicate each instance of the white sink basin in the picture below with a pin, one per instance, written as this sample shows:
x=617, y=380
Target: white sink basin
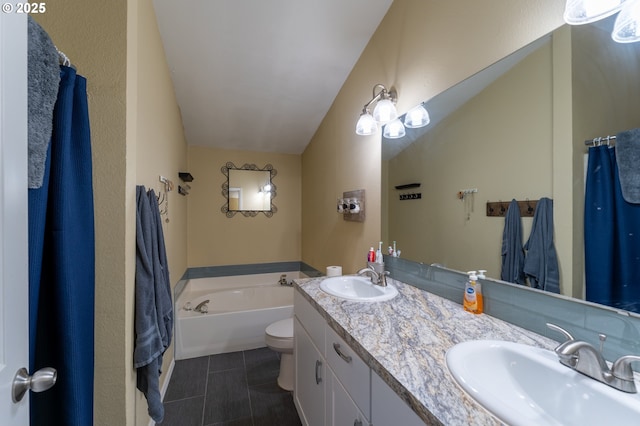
x=352, y=287
x=524, y=385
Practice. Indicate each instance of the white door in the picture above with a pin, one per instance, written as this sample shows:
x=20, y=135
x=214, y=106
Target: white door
x=14, y=284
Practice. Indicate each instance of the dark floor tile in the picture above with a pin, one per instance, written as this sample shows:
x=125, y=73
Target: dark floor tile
x=184, y=412
x=228, y=361
x=263, y=366
x=227, y=397
x=273, y=406
x=242, y=422
x=188, y=379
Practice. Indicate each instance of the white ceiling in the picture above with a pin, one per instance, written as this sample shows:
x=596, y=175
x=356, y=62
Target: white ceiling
x=260, y=75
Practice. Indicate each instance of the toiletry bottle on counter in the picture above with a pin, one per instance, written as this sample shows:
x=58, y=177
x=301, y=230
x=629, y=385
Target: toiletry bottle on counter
x=371, y=257
x=379, y=258
x=470, y=299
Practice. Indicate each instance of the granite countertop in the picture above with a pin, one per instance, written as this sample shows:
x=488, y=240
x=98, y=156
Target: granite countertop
x=404, y=341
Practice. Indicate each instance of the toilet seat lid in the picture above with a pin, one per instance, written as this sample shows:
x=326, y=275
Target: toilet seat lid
x=282, y=328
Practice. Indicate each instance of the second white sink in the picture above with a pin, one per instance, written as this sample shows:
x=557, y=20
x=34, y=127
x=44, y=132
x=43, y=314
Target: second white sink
x=524, y=385
x=352, y=287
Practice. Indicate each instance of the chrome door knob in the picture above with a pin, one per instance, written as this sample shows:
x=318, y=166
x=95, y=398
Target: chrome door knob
x=40, y=381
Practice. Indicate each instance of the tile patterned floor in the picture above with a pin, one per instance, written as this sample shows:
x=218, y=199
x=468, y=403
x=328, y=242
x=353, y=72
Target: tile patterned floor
x=233, y=389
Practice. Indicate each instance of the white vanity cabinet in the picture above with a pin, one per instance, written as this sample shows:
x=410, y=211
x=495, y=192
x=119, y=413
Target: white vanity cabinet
x=340, y=407
x=310, y=364
x=387, y=409
x=310, y=378
x=350, y=369
x=334, y=386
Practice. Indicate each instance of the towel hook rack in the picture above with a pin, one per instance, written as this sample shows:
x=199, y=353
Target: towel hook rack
x=499, y=208
x=163, y=197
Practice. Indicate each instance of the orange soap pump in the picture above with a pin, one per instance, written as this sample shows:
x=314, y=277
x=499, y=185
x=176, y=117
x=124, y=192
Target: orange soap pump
x=470, y=299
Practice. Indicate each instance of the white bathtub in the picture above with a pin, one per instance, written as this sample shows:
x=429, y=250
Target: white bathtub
x=240, y=308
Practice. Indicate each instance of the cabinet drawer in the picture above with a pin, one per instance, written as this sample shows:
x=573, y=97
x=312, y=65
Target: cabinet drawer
x=350, y=370
x=310, y=319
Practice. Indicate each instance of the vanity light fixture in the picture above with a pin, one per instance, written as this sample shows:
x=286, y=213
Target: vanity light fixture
x=578, y=12
x=627, y=25
x=384, y=111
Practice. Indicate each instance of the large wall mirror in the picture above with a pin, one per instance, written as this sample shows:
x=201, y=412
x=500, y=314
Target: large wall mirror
x=248, y=190
x=516, y=130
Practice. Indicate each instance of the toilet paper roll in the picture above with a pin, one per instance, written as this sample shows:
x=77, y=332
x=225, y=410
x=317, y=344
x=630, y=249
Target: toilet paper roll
x=334, y=271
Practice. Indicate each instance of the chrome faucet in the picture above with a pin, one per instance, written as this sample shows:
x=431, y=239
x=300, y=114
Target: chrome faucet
x=283, y=280
x=202, y=307
x=586, y=359
x=378, y=278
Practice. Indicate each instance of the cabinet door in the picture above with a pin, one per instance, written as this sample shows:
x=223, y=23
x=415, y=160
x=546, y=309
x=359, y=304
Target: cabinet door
x=310, y=378
x=387, y=408
x=340, y=408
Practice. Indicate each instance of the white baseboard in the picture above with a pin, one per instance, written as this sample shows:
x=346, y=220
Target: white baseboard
x=165, y=385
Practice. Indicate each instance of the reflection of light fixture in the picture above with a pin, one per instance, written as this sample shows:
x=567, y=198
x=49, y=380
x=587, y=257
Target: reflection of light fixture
x=394, y=130
x=384, y=112
x=265, y=189
x=578, y=12
x=627, y=26
x=417, y=117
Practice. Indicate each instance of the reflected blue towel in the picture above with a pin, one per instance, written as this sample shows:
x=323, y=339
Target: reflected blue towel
x=154, y=310
x=512, y=252
x=541, y=260
x=628, y=159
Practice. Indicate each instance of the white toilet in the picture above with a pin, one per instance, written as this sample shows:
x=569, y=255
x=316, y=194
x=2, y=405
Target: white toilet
x=279, y=337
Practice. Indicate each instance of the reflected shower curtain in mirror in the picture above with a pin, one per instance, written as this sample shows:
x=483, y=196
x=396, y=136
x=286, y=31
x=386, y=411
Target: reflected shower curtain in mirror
x=611, y=235
x=62, y=264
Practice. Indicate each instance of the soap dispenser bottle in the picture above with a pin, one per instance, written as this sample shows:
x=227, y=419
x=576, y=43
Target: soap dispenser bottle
x=470, y=298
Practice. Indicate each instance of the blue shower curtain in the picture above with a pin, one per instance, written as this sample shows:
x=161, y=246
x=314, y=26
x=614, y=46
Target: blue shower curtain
x=611, y=235
x=62, y=263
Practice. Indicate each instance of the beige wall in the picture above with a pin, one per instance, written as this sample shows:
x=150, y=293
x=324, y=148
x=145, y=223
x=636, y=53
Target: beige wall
x=136, y=135
x=421, y=48
x=481, y=145
x=214, y=239
x=161, y=149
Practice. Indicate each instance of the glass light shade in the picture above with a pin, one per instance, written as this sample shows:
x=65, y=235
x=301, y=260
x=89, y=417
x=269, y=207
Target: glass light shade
x=626, y=29
x=385, y=111
x=417, y=117
x=578, y=12
x=366, y=125
x=394, y=129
